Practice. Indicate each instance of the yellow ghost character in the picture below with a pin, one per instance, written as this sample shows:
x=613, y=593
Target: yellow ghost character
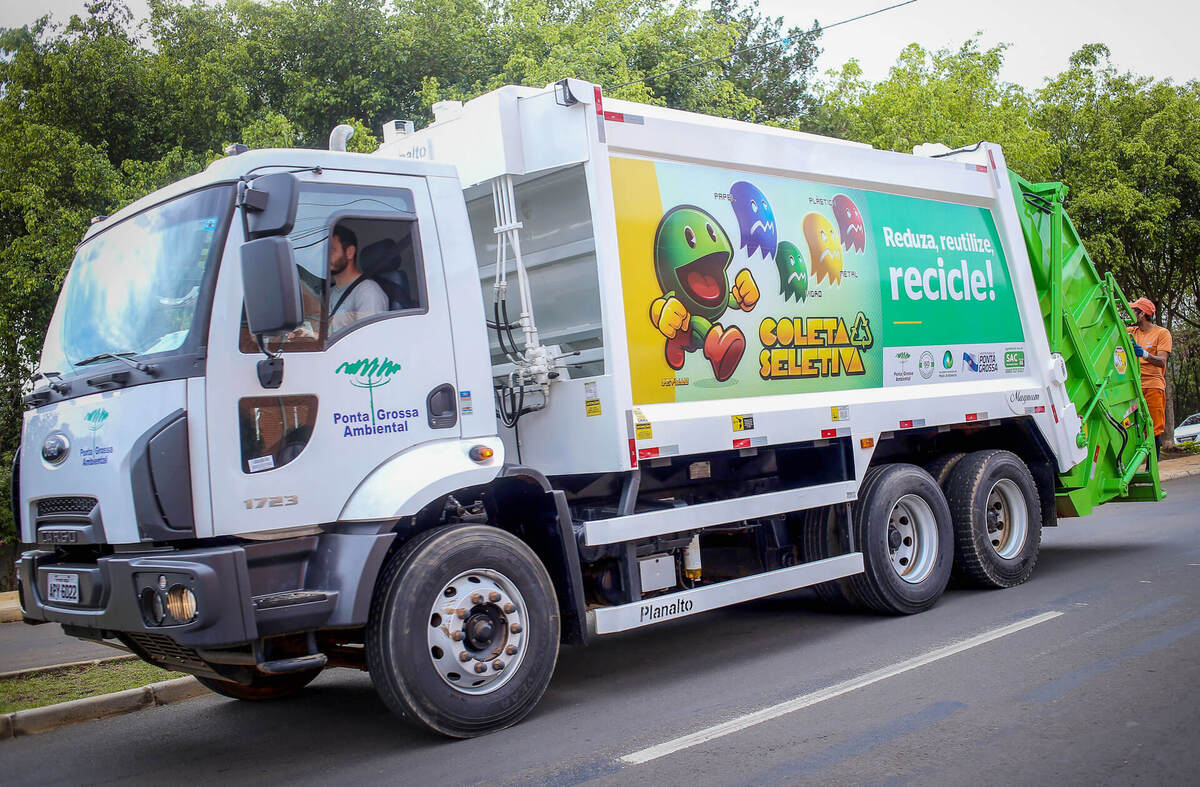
x=824, y=248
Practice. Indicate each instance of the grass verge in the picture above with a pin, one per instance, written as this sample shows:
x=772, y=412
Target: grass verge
x=73, y=683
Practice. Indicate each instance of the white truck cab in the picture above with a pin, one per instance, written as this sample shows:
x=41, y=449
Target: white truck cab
x=156, y=439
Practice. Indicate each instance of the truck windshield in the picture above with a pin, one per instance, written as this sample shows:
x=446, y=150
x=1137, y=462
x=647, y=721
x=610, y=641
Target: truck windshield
x=133, y=289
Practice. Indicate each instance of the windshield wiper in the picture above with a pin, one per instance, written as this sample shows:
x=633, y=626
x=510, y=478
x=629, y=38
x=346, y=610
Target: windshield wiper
x=54, y=381
x=148, y=368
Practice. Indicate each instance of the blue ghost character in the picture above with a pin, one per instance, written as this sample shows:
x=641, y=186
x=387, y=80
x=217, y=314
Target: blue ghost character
x=755, y=218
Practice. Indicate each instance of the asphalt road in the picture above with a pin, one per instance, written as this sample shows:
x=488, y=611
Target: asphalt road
x=1087, y=674
x=23, y=646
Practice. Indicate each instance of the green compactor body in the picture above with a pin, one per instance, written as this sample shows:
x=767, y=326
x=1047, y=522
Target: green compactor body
x=1087, y=317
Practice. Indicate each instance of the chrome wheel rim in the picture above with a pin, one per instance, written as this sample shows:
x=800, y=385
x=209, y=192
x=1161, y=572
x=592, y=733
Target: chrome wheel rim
x=477, y=631
x=912, y=539
x=1006, y=519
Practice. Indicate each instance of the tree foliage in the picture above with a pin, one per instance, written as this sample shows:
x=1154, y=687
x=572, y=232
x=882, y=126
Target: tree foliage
x=950, y=96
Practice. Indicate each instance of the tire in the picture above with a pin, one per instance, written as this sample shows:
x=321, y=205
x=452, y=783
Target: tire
x=262, y=687
x=819, y=539
x=903, y=528
x=488, y=588
x=997, y=519
x=943, y=466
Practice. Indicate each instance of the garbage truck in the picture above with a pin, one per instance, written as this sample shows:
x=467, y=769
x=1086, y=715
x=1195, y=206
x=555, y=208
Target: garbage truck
x=557, y=366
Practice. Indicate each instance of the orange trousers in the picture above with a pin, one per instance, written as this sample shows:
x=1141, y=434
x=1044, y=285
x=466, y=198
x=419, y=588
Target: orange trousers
x=1156, y=401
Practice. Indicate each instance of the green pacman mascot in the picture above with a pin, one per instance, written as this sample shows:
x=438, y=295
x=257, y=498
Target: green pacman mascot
x=691, y=255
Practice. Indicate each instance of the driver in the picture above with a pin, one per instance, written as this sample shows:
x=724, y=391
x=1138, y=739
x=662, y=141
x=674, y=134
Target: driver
x=352, y=296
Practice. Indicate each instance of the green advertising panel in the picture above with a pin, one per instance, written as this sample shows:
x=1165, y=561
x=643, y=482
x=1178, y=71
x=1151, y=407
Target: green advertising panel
x=748, y=285
x=940, y=268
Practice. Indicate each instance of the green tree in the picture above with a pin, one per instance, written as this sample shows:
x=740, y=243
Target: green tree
x=51, y=184
x=776, y=75
x=952, y=96
x=1129, y=150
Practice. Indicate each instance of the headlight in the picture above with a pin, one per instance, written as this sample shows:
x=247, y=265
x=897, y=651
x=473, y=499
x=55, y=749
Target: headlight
x=55, y=448
x=181, y=603
x=152, y=607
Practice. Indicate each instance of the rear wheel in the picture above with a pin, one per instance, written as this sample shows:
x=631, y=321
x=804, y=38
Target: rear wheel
x=262, y=687
x=821, y=537
x=943, y=466
x=997, y=519
x=903, y=528
x=464, y=630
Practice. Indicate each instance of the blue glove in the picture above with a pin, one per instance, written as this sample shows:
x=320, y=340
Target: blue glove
x=1139, y=350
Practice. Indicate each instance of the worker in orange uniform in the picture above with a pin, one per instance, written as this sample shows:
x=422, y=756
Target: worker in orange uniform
x=1152, y=345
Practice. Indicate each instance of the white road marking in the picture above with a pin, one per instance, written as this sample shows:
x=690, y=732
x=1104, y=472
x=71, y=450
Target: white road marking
x=836, y=690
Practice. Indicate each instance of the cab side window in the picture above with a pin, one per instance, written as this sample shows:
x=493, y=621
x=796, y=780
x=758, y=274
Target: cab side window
x=372, y=266
x=357, y=251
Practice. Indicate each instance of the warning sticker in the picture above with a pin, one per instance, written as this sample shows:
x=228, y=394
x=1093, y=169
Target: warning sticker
x=840, y=413
x=643, y=431
x=743, y=423
x=592, y=406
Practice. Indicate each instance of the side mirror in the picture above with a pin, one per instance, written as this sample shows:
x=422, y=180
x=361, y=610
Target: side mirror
x=270, y=203
x=271, y=286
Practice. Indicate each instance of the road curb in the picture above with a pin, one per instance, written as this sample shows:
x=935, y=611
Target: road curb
x=10, y=607
x=1166, y=474
x=66, y=714
x=25, y=673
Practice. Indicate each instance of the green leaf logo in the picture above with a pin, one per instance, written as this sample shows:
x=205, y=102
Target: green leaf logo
x=96, y=418
x=369, y=373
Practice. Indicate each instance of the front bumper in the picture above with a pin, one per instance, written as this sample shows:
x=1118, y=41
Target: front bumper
x=244, y=592
x=110, y=589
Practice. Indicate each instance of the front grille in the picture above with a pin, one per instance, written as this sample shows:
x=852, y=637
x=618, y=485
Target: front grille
x=166, y=651
x=65, y=505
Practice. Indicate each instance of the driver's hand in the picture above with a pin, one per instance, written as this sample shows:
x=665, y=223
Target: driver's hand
x=305, y=331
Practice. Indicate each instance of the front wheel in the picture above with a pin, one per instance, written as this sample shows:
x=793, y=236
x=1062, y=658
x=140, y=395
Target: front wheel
x=464, y=630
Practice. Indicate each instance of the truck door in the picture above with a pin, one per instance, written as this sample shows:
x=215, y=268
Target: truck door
x=360, y=385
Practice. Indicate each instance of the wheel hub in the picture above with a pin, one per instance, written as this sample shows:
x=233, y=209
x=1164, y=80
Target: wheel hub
x=912, y=539
x=477, y=631
x=1007, y=519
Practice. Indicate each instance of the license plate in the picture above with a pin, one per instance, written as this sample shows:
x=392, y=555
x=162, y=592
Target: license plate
x=63, y=588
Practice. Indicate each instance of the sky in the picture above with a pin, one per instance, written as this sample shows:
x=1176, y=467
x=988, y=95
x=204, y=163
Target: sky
x=1157, y=40
x=1151, y=37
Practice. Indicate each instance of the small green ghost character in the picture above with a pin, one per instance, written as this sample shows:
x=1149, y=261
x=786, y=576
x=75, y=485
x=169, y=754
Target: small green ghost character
x=691, y=255
x=793, y=272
